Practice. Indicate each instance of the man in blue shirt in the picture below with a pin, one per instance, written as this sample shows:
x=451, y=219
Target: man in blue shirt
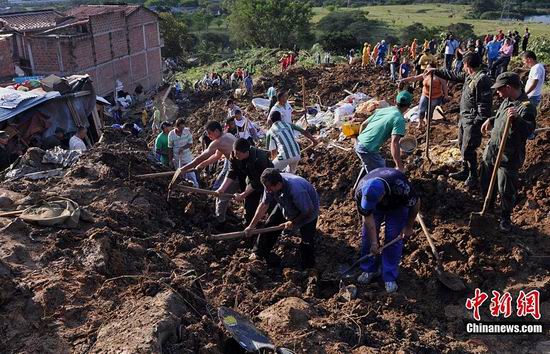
x=295, y=205
x=493, y=49
x=385, y=195
x=382, y=50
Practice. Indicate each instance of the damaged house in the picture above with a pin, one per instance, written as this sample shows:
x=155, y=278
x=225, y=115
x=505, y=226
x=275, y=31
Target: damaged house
x=106, y=42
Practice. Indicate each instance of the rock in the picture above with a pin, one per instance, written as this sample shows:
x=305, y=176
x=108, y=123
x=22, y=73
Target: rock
x=291, y=312
x=96, y=251
x=347, y=293
x=5, y=202
x=51, y=298
x=141, y=328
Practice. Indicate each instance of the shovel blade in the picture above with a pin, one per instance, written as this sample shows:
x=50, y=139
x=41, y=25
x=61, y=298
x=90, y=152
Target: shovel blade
x=450, y=280
x=481, y=224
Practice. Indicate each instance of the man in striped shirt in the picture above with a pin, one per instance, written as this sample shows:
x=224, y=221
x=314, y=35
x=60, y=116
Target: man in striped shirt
x=284, y=148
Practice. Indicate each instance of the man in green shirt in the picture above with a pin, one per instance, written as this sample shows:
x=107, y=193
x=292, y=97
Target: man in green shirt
x=161, y=143
x=383, y=124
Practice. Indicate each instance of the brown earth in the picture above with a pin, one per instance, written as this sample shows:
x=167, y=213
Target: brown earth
x=143, y=278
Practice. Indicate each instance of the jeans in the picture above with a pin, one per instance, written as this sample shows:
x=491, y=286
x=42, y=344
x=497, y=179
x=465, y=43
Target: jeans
x=535, y=100
x=459, y=66
x=500, y=66
x=423, y=106
x=449, y=61
x=250, y=203
x=490, y=63
x=380, y=59
x=393, y=70
x=370, y=160
x=191, y=176
x=265, y=242
x=219, y=180
x=395, y=221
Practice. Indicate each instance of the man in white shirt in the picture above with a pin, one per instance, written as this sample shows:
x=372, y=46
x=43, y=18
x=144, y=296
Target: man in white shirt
x=180, y=141
x=282, y=106
x=77, y=141
x=533, y=87
x=451, y=45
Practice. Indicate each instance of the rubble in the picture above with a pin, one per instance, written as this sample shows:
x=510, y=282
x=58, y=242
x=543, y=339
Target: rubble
x=144, y=278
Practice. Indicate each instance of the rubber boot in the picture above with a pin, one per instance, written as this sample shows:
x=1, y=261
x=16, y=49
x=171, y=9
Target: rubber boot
x=461, y=175
x=472, y=180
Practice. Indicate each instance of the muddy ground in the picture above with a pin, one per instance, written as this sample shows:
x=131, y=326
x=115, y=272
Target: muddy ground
x=143, y=278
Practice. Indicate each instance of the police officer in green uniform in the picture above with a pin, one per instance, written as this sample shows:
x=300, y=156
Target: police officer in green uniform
x=517, y=106
x=475, y=107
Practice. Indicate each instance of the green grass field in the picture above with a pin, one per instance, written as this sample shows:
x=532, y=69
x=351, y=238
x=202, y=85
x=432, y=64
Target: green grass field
x=399, y=16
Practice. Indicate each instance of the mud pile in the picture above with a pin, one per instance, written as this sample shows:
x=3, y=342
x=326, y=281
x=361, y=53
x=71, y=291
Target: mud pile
x=144, y=278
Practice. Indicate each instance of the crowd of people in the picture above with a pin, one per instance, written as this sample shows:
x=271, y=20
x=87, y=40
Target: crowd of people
x=496, y=51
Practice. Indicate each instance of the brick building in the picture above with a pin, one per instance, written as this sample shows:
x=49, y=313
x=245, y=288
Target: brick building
x=108, y=42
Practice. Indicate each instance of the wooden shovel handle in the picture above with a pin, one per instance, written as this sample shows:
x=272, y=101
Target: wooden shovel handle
x=204, y=191
x=154, y=175
x=11, y=213
x=492, y=184
x=240, y=234
x=427, y=233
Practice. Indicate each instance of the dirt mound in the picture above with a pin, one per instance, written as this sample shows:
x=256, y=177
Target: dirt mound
x=143, y=277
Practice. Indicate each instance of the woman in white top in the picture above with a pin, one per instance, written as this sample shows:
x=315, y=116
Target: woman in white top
x=245, y=128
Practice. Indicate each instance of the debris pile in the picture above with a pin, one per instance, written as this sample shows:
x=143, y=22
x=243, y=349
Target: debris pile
x=143, y=277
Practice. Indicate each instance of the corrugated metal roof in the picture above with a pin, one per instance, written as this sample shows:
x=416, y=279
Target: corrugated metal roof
x=31, y=20
x=24, y=100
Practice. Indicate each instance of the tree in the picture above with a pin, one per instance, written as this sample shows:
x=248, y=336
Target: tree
x=418, y=31
x=269, y=23
x=339, y=21
x=462, y=31
x=177, y=38
x=339, y=42
x=481, y=6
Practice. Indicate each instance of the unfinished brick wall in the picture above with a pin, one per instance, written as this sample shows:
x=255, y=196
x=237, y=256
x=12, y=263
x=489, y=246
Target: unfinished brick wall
x=45, y=55
x=117, y=46
x=7, y=69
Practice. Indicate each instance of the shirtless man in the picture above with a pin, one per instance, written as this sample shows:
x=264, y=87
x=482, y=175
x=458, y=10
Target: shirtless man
x=221, y=145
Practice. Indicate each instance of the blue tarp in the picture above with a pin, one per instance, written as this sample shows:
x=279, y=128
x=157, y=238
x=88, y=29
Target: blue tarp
x=6, y=113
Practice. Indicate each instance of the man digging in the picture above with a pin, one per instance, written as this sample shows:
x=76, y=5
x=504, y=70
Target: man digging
x=246, y=165
x=384, y=195
x=221, y=145
x=296, y=205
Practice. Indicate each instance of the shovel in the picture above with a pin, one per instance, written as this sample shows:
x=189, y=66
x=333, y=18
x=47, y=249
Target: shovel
x=241, y=234
x=478, y=221
x=246, y=334
x=204, y=191
x=450, y=280
x=357, y=262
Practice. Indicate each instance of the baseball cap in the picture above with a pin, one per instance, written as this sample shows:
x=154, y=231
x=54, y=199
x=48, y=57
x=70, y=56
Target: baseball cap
x=507, y=78
x=404, y=98
x=371, y=193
